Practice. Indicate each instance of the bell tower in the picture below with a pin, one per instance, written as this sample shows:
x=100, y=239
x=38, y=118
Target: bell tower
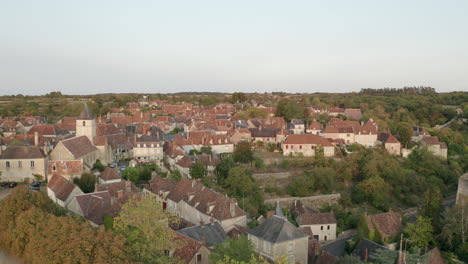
x=86, y=124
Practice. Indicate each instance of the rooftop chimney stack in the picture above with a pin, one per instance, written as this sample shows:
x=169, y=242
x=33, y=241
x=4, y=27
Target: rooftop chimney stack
x=36, y=138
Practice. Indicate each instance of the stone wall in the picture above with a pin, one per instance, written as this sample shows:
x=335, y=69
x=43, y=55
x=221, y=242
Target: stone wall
x=310, y=201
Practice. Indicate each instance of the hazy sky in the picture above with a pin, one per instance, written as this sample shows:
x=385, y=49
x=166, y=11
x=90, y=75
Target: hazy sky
x=96, y=46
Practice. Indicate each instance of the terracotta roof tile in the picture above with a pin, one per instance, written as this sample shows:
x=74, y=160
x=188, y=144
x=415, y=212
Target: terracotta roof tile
x=79, y=146
x=316, y=219
x=388, y=223
x=109, y=174
x=307, y=139
x=61, y=187
x=22, y=152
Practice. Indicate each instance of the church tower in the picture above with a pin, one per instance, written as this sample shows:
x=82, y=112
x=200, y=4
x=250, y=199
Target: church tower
x=85, y=124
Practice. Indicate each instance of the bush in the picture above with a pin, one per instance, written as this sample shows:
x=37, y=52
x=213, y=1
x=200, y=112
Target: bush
x=285, y=164
x=99, y=166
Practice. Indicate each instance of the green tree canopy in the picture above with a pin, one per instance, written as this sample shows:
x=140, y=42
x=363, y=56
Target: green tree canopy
x=240, y=249
x=86, y=182
x=243, y=152
x=198, y=170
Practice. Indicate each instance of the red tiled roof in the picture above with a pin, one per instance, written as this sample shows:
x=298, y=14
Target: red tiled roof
x=61, y=187
x=79, y=146
x=65, y=167
x=109, y=174
x=22, y=152
x=188, y=248
x=316, y=219
x=205, y=199
x=307, y=139
x=431, y=140
x=46, y=129
x=315, y=126
x=95, y=206
x=392, y=139
x=388, y=223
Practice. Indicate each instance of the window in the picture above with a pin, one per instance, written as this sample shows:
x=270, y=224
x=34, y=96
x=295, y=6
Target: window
x=84, y=123
x=312, y=147
x=316, y=237
x=347, y=135
x=300, y=146
x=328, y=227
x=287, y=146
x=8, y=164
x=32, y=164
x=199, y=258
x=325, y=238
x=321, y=227
x=20, y=164
x=290, y=246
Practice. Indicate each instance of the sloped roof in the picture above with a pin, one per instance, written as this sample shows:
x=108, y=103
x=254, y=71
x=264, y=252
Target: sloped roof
x=317, y=219
x=264, y=132
x=434, y=257
x=95, y=206
x=85, y=113
x=392, y=139
x=388, y=223
x=158, y=184
x=188, y=248
x=212, y=233
x=61, y=187
x=45, y=129
x=307, y=139
x=205, y=200
x=353, y=113
x=276, y=230
x=109, y=174
x=315, y=126
x=431, y=140
x=79, y=146
x=22, y=152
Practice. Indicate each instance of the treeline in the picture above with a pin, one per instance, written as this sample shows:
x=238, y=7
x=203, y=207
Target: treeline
x=404, y=90
x=36, y=230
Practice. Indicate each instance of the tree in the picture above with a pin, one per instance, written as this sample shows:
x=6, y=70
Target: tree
x=198, y=170
x=455, y=226
x=405, y=132
x=86, y=182
x=290, y=110
x=383, y=256
x=240, y=249
x=243, y=152
x=222, y=169
x=36, y=230
x=206, y=150
x=242, y=186
x=131, y=174
x=144, y=224
x=420, y=232
x=432, y=207
x=99, y=166
x=37, y=177
x=175, y=176
x=238, y=97
x=375, y=188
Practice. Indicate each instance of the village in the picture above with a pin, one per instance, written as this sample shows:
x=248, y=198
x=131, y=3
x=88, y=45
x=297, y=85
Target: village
x=174, y=141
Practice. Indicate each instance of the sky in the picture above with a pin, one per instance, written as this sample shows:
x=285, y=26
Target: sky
x=151, y=46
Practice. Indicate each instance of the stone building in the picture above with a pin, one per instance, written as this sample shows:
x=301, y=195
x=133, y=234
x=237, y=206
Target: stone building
x=20, y=163
x=307, y=145
x=393, y=146
x=277, y=237
x=462, y=191
x=322, y=225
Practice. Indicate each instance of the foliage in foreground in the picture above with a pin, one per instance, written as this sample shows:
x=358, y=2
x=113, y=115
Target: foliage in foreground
x=36, y=230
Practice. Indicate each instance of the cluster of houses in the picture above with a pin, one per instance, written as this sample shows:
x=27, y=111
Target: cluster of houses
x=175, y=137
x=29, y=146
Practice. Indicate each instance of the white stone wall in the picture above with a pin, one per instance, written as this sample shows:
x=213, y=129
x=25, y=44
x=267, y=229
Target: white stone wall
x=295, y=250
x=18, y=173
x=322, y=231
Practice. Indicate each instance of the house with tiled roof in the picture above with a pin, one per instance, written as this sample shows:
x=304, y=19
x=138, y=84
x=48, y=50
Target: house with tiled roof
x=109, y=175
x=61, y=190
x=314, y=128
x=190, y=251
x=307, y=145
x=296, y=126
x=322, y=225
x=392, y=145
x=388, y=225
x=68, y=169
x=238, y=135
x=20, y=163
x=76, y=148
x=195, y=203
x=276, y=237
x=419, y=133
x=148, y=147
x=94, y=207
x=435, y=146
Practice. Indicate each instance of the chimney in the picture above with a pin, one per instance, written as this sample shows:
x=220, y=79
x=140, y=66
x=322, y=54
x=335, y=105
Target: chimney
x=232, y=209
x=212, y=220
x=141, y=114
x=202, y=223
x=45, y=149
x=36, y=138
x=203, y=240
x=270, y=214
x=193, y=183
x=119, y=194
x=366, y=255
x=148, y=132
